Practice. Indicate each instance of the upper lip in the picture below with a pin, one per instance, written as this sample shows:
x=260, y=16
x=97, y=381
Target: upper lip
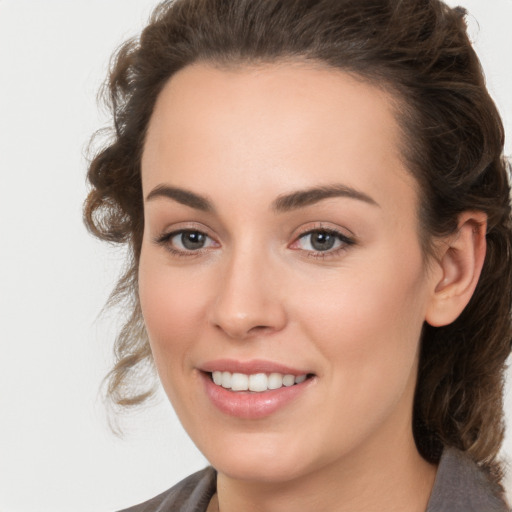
x=250, y=367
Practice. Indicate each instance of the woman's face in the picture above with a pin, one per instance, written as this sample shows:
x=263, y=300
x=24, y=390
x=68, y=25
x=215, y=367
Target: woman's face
x=281, y=244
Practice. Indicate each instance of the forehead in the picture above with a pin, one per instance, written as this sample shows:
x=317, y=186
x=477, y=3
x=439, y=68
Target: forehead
x=278, y=123
x=293, y=94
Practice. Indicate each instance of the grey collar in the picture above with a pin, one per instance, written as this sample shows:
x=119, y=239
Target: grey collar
x=461, y=486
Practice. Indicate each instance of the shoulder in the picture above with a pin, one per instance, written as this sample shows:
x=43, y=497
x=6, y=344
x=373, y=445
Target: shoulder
x=461, y=486
x=190, y=495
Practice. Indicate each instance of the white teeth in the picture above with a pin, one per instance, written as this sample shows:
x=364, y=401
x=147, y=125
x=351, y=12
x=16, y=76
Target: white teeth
x=226, y=380
x=239, y=382
x=256, y=382
x=275, y=381
x=288, y=380
x=300, y=378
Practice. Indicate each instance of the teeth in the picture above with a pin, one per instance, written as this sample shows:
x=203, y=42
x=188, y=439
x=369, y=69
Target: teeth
x=225, y=379
x=217, y=378
x=275, y=381
x=288, y=380
x=256, y=382
x=239, y=382
x=300, y=378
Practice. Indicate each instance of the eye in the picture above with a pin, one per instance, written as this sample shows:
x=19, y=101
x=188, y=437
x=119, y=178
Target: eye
x=186, y=241
x=322, y=240
x=190, y=240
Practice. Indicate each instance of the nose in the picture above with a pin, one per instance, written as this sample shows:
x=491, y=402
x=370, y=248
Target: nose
x=249, y=299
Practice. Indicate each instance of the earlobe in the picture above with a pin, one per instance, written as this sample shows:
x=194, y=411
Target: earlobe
x=460, y=260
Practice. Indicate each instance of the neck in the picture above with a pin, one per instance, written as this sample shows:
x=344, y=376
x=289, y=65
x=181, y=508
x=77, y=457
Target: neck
x=385, y=477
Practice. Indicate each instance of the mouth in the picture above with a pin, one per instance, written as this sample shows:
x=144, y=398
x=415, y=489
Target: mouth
x=256, y=389
x=256, y=382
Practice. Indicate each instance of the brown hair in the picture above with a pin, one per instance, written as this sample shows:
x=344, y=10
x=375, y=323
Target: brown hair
x=453, y=144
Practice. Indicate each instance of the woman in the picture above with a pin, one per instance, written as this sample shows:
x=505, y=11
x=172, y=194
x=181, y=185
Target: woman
x=317, y=208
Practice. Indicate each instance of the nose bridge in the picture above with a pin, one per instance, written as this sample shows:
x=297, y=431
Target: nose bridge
x=248, y=301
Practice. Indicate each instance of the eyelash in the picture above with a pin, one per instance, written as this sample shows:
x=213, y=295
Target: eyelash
x=346, y=242
x=164, y=240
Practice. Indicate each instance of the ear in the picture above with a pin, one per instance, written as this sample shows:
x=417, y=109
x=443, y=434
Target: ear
x=460, y=259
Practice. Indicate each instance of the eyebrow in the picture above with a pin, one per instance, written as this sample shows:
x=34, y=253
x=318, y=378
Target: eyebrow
x=284, y=203
x=182, y=196
x=303, y=198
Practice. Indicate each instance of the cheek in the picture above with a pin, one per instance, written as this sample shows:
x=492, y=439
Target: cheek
x=173, y=307
x=369, y=331
x=369, y=324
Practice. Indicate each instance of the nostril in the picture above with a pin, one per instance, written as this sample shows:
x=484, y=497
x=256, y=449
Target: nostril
x=240, y=331
x=242, y=311
x=259, y=329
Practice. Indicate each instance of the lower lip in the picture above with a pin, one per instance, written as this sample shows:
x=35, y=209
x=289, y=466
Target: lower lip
x=249, y=405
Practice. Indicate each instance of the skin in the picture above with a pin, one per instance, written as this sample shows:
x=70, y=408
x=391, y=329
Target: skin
x=241, y=138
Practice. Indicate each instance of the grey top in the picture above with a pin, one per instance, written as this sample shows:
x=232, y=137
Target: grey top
x=460, y=486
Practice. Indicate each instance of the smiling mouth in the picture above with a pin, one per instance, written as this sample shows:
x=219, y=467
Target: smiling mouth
x=256, y=382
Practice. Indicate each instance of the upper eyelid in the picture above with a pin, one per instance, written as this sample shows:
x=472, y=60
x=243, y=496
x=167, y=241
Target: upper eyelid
x=324, y=230
x=304, y=230
x=323, y=226
x=174, y=232
x=347, y=239
x=178, y=227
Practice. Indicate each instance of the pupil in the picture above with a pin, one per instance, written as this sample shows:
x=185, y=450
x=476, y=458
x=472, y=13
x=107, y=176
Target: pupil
x=322, y=241
x=192, y=240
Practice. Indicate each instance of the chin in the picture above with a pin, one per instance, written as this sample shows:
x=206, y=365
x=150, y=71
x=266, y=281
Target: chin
x=257, y=469
x=264, y=458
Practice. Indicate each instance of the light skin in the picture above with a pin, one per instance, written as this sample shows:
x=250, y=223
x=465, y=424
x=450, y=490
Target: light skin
x=262, y=164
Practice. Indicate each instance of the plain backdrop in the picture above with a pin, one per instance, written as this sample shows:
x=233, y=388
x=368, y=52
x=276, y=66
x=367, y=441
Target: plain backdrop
x=56, y=451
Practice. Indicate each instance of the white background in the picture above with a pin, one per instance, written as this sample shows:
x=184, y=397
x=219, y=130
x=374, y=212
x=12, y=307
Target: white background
x=56, y=452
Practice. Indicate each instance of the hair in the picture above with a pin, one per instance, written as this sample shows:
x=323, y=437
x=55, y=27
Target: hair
x=417, y=50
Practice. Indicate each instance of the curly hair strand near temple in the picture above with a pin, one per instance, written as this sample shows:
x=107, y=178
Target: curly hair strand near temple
x=419, y=52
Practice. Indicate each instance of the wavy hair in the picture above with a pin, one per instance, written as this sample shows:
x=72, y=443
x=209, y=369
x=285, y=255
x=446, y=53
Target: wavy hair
x=419, y=51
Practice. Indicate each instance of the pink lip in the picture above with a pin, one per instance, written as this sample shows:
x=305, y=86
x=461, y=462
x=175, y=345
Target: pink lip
x=246, y=404
x=249, y=367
